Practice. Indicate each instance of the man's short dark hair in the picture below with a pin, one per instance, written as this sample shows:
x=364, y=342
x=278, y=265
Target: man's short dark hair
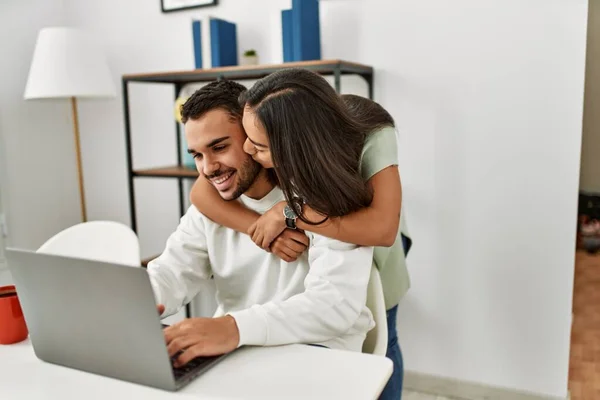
x=221, y=94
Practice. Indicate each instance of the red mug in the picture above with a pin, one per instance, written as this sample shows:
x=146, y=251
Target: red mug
x=12, y=322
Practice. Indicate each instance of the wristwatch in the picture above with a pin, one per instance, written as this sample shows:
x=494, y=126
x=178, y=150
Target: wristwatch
x=290, y=217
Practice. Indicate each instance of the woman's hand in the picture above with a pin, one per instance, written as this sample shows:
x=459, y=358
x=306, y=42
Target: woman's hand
x=290, y=245
x=268, y=227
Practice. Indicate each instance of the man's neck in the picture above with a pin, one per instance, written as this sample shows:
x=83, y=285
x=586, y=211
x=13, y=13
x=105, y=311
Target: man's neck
x=261, y=187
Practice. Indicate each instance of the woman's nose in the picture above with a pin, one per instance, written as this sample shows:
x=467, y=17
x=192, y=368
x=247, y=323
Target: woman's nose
x=249, y=147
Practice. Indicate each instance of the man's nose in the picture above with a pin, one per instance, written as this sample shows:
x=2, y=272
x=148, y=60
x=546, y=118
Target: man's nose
x=210, y=166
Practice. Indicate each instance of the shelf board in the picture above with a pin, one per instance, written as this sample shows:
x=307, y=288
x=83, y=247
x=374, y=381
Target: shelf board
x=324, y=67
x=167, y=172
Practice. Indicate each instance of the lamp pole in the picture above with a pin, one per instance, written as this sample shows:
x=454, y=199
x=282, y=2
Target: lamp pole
x=78, y=156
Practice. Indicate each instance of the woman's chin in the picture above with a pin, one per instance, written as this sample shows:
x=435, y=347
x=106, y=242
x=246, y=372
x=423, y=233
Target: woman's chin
x=266, y=165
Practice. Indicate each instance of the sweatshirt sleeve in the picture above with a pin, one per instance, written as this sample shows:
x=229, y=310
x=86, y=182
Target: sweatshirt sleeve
x=176, y=275
x=334, y=297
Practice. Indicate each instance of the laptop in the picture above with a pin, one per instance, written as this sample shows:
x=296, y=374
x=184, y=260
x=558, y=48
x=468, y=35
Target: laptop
x=97, y=317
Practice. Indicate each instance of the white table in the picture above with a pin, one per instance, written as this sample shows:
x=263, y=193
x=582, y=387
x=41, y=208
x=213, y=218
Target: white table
x=286, y=372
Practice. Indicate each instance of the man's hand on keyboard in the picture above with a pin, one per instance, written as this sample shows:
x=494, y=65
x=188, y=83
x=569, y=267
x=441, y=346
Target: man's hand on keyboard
x=201, y=337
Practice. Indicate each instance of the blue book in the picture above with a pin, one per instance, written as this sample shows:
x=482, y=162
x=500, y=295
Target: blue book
x=306, y=34
x=197, y=35
x=223, y=43
x=215, y=43
x=287, y=36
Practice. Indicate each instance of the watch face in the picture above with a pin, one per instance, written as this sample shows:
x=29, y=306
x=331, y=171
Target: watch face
x=289, y=213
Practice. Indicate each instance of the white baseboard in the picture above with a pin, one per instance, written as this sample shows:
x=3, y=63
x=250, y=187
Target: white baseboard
x=456, y=389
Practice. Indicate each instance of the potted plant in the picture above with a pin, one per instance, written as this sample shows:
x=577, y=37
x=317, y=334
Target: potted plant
x=250, y=57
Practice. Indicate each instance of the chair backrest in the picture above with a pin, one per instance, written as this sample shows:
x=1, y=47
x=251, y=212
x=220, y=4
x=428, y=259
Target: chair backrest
x=376, y=340
x=96, y=240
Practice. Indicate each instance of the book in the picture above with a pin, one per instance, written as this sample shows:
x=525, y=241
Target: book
x=306, y=30
x=223, y=39
x=301, y=32
x=215, y=43
x=197, y=35
x=288, y=41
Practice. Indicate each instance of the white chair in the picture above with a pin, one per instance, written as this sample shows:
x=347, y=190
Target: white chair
x=105, y=241
x=376, y=340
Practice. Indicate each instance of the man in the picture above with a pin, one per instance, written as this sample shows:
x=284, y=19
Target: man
x=318, y=299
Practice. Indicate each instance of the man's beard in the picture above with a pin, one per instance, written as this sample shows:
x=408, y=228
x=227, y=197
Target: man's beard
x=246, y=175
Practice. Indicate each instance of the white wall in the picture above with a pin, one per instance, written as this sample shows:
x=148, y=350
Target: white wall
x=590, y=148
x=39, y=181
x=477, y=87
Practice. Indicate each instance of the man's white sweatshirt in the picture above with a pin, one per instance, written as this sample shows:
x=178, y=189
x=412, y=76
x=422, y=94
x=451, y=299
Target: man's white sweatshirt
x=320, y=298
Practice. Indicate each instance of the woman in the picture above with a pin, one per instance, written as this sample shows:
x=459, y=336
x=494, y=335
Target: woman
x=336, y=162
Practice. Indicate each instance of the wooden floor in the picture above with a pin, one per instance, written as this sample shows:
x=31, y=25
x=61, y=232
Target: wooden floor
x=584, y=371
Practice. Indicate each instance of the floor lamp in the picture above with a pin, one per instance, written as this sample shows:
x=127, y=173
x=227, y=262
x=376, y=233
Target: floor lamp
x=67, y=63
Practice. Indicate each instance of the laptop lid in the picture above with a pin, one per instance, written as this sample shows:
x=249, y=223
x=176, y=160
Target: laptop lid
x=92, y=316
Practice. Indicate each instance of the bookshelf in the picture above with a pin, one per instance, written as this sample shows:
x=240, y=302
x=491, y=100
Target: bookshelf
x=335, y=68
x=325, y=67
x=167, y=172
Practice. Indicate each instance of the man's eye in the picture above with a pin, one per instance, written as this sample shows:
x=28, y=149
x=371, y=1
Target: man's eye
x=219, y=148
x=197, y=156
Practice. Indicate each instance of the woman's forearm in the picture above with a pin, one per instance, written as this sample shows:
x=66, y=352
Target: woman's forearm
x=231, y=214
x=376, y=225
x=365, y=227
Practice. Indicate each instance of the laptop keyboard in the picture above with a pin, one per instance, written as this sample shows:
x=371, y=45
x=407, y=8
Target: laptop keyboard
x=195, y=365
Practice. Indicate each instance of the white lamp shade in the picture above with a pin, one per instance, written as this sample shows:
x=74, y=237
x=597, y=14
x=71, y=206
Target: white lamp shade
x=68, y=63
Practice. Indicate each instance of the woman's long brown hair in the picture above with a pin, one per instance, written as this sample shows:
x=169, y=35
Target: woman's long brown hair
x=368, y=112
x=315, y=142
